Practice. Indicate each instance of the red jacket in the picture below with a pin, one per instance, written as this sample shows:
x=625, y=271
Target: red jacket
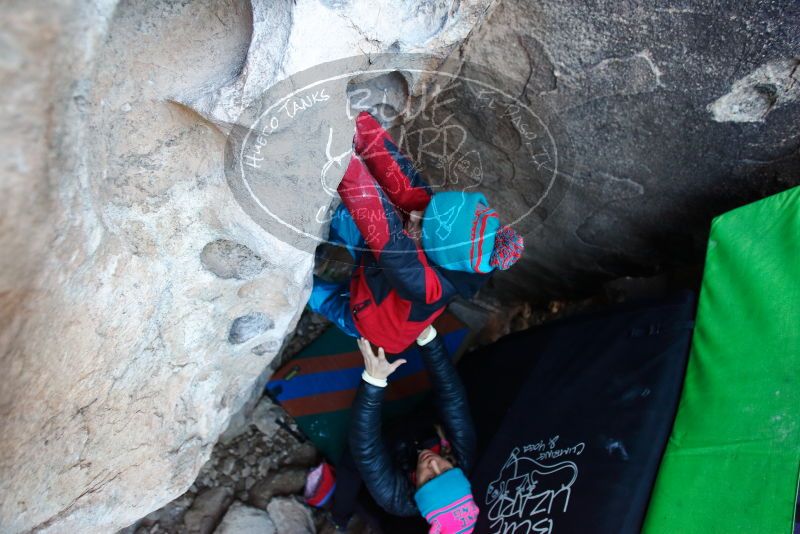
x=395, y=291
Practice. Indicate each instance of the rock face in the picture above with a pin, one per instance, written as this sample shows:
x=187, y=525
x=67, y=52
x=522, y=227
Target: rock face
x=242, y=519
x=290, y=517
x=207, y=510
x=663, y=116
x=138, y=302
x=247, y=467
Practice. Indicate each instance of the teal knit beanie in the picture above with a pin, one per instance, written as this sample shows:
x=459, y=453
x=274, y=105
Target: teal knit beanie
x=458, y=231
x=447, y=504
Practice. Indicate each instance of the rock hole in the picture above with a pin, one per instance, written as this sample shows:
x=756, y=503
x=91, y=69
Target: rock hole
x=228, y=259
x=769, y=92
x=385, y=95
x=249, y=326
x=272, y=345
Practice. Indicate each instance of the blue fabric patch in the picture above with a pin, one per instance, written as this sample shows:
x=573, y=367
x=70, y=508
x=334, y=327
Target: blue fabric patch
x=332, y=300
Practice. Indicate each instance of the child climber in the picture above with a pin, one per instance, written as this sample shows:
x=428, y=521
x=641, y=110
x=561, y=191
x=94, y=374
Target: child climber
x=424, y=249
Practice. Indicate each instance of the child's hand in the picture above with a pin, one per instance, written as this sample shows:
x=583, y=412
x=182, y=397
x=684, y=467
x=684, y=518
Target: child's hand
x=377, y=366
x=413, y=226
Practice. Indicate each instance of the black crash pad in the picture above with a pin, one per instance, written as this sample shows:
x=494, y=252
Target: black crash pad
x=573, y=418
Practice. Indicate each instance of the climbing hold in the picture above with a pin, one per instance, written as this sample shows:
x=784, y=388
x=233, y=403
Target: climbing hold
x=228, y=259
x=249, y=326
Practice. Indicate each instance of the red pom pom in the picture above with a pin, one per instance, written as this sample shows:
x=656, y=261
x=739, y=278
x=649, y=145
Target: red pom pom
x=508, y=248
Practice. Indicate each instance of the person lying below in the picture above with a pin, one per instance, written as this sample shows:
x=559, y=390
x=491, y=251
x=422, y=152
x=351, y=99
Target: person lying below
x=435, y=487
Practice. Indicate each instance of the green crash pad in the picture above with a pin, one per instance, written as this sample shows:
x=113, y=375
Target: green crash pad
x=731, y=464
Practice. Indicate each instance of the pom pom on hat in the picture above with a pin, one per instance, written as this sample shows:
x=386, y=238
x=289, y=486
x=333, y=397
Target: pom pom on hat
x=508, y=248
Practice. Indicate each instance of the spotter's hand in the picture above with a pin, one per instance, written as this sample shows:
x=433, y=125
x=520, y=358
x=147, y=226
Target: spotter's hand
x=377, y=366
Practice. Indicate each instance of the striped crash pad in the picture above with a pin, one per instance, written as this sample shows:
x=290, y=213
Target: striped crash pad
x=732, y=460
x=317, y=387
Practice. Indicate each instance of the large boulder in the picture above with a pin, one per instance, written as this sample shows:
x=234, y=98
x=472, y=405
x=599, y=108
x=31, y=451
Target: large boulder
x=662, y=115
x=138, y=302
